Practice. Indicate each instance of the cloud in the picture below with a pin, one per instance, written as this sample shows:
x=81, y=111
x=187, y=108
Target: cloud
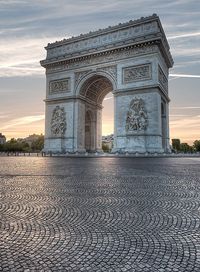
x=179, y=122
x=27, y=26
x=186, y=35
x=108, y=98
x=185, y=50
x=23, y=121
x=178, y=115
x=184, y=75
x=182, y=123
x=183, y=64
x=187, y=107
x=20, y=71
x=20, y=57
x=12, y=2
x=4, y=116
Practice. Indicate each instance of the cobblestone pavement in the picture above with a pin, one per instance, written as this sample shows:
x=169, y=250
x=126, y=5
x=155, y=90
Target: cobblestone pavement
x=103, y=214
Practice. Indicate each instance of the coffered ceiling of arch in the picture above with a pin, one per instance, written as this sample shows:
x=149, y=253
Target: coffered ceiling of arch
x=96, y=88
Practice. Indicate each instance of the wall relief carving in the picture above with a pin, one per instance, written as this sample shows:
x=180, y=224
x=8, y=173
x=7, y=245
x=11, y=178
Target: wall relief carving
x=162, y=79
x=80, y=75
x=59, y=86
x=136, y=73
x=104, y=39
x=102, y=58
x=112, y=70
x=136, y=119
x=58, y=121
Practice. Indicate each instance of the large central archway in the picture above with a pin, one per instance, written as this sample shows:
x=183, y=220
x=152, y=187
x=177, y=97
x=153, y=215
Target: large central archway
x=92, y=91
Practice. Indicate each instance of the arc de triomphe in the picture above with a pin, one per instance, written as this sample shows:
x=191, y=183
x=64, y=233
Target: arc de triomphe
x=131, y=60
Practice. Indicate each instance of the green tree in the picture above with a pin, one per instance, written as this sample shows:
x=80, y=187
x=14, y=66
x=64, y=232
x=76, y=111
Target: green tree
x=186, y=148
x=21, y=145
x=38, y=144
x=25, y=147
x=105, y=147
x=13, y=146
x=196, y=145
x=176, y=144
x=1, y=147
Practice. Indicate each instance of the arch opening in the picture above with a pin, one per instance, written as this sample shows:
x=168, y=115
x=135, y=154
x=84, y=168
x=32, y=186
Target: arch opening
x=96, y=88
x=93, y=91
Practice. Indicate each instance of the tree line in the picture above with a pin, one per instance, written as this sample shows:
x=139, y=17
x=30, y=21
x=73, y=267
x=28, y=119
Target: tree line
x=22, y=145
x=178, y=147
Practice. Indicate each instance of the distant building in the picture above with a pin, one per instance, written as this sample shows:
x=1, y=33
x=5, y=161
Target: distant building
x=2, y=139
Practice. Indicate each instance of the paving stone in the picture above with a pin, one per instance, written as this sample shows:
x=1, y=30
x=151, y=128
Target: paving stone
x=103, y=214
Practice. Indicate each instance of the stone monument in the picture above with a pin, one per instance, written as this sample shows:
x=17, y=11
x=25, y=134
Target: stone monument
x=131, y=60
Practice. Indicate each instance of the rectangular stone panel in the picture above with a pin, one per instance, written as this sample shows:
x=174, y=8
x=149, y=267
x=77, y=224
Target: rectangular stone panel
x=162, y=79
x=136, y=73
x=59, y=86
x=103, y=38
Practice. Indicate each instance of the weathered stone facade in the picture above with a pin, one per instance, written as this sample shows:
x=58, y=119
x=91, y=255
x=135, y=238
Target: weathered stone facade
x=131, y=60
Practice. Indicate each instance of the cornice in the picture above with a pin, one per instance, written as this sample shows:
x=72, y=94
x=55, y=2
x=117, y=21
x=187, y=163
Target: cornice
x=60, y=100
x=142, y=32
x=78, y=57
x=145, y=89
x=67, y=60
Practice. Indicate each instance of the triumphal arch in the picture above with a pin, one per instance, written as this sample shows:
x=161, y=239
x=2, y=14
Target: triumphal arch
x=131, y=60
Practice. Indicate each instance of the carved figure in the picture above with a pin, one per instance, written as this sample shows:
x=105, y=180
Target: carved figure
x=58, y=121
x=136, y=116
x=59, y=86
x=137, y=73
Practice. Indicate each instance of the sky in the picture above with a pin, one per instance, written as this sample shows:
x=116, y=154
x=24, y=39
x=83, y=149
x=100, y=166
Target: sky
x=27, y=26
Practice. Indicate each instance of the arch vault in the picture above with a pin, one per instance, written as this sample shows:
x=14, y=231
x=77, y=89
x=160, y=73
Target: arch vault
x=131, y=60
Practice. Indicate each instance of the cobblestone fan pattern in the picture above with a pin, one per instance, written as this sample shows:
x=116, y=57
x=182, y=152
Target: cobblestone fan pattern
x=103, y=214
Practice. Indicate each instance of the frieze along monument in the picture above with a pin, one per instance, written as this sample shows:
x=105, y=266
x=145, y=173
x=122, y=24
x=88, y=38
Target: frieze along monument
x=131, y=60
